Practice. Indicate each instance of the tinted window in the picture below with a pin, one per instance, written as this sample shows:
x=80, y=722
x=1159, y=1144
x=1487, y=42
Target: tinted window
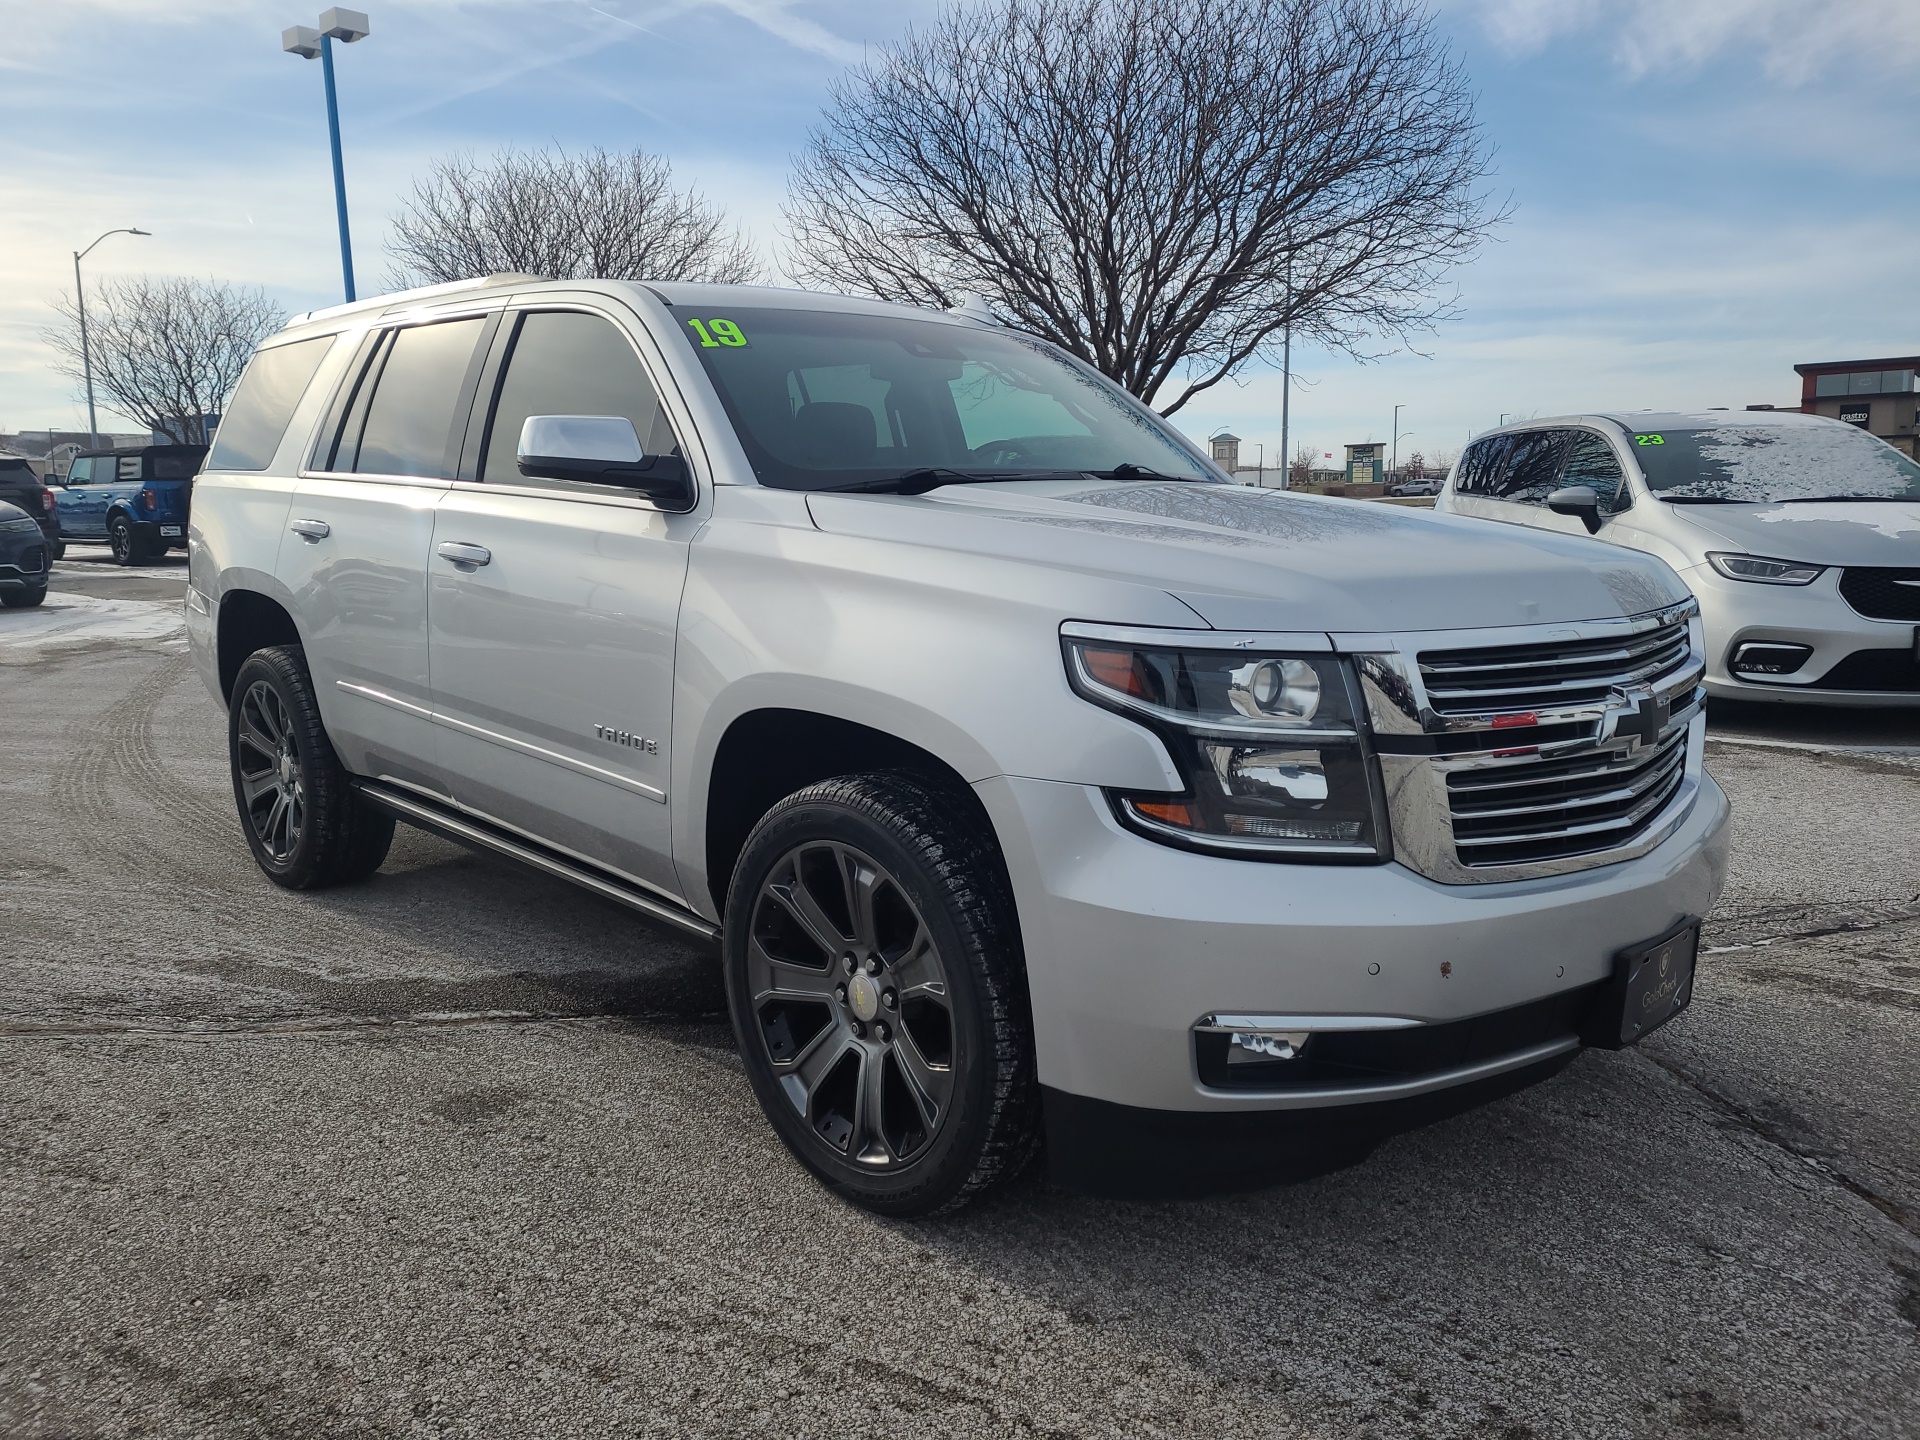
x=567, y=363
x=1533, y=467
x=822, y=399
x=1482, y=464
x=1592, y=462
x=410, y=415
x=1755, y=463
x=264, y=403
x=182, y=467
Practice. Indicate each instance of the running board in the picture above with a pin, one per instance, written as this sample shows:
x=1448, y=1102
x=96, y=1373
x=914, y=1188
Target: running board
x=465, y=830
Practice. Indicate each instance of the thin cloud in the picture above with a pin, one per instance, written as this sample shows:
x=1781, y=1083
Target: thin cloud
x=1795, y=41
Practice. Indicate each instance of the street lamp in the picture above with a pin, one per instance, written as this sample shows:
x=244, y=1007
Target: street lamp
x=346, y=26
x=1394, y=464
x=86, y=354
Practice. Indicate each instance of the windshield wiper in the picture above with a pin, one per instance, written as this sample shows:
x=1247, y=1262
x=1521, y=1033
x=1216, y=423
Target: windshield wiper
x=1705, y=500
x=1127, y=470
x=912, y=482
x=1837, y=499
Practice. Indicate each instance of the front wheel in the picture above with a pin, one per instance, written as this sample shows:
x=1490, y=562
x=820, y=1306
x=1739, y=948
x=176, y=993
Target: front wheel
x=878, y=992
x=23, y=599
x=306, y=826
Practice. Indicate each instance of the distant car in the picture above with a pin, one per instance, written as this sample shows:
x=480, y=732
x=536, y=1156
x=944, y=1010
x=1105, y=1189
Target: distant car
x=1800, y=535
x=135, y=499
x=19, y=486
x=1414, y=487
x=23, y=559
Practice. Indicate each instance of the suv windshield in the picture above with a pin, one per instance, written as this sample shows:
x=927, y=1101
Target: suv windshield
x=824, y=400
x=1759, y=464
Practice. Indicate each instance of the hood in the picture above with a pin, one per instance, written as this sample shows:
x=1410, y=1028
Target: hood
x=1245, y=559
x=1853, y=532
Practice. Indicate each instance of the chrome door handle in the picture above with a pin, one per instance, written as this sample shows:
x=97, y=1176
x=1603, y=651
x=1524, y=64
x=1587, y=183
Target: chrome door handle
x=461, y=553
x=311, y=531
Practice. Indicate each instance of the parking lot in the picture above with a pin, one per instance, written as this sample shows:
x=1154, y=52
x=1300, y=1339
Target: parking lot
x=467, y=1151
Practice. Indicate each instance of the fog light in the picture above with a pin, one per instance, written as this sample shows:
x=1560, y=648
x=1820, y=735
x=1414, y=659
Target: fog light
x=1245, y=1047
x=1768, y=657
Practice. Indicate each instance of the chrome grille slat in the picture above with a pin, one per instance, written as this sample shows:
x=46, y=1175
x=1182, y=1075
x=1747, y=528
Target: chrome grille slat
x=1558, y=800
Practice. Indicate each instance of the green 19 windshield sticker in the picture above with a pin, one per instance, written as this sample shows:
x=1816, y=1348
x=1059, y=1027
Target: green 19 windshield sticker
x=716, y=333
x=1638, y=439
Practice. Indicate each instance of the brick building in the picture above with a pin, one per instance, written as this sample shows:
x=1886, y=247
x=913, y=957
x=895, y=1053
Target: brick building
x=1876, y=395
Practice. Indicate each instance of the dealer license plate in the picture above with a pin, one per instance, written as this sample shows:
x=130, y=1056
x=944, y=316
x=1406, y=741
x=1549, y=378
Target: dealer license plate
x=1657, y=981
x=169, y=529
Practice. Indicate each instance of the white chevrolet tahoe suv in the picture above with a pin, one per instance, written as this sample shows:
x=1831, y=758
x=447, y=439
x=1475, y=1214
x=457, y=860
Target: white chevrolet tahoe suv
x=1034, y=781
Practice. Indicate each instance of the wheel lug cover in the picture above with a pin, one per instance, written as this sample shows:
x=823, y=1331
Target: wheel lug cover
x=882, y=1031
x=858, y=1028
x=840, y=993
x=846, y=963
x=873, y=965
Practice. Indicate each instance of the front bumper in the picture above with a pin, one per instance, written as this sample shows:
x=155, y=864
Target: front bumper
x=1816, y=615
x=1130, y=943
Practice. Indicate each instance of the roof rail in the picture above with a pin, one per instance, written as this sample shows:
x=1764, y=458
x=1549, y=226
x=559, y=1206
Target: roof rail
x=422, y=292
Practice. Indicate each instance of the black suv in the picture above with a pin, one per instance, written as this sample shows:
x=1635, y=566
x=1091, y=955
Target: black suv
x=20, y=486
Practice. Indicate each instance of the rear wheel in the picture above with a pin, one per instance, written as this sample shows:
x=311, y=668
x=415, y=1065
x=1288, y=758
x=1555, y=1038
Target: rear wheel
x=306, y=826
x=127, y=547
x=22, y=599
x=878, y=993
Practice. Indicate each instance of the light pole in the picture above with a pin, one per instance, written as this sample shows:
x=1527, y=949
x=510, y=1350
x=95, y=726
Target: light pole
x=1394, y=463
x=86, y=353
x=346, y=26
x=1286, y=387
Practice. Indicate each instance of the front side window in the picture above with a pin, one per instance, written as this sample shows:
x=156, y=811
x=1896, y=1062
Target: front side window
x=1533, y=467
x=1762, y=464
x=823, y=400
x=564, y=362
x=258, y=414
x=81, y=472
x=416, y=377
x=1591, y=462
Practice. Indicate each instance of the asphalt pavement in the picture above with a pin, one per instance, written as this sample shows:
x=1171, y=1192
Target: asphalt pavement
x=466, y=1151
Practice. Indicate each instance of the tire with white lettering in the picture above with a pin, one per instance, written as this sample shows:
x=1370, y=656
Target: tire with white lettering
x=878, y=992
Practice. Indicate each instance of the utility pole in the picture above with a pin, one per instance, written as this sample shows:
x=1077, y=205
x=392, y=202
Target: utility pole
x=1286, y=386
x=1394, y=463
x=86, y=352
x=346, y=26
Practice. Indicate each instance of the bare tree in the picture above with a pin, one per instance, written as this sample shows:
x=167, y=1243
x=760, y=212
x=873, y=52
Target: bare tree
x=166, y=352
x=567, y=217
x=1304, y=456
x=1158, y=186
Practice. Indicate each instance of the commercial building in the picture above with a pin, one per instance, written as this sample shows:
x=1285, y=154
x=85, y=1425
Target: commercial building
x=1876, y=395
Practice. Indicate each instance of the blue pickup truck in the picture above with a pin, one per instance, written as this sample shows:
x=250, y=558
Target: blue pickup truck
x=135, y=499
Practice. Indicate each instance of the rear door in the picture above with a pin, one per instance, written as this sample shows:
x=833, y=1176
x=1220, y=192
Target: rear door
x=552, y=656
x=358, y=536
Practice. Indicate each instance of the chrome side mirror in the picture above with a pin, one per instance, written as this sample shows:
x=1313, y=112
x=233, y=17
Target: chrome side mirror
x=602, y=450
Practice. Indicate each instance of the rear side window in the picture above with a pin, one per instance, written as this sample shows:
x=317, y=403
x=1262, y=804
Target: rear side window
x=564, y=362
x=262, y=406
x=1482, y=465
x=401, y=426
x=183, y=467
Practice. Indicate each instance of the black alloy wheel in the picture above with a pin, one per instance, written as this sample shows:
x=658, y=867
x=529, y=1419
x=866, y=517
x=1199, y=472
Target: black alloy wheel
x=304, y=822
x=127, y=549
x=878, y=992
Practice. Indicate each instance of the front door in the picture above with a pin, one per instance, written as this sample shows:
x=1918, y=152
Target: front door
x=554, y=608
x=356, y=549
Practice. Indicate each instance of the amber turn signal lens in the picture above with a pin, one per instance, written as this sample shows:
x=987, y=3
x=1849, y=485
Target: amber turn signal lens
x=1168, y=814
x=1115, y=670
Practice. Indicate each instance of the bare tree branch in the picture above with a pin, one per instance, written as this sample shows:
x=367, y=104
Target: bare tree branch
x=1159, y=186
x=166, y=353
x=567, y=217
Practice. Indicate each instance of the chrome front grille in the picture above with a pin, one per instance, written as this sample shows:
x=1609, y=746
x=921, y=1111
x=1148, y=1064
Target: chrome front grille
x=1538, y=749
x=1572, y=672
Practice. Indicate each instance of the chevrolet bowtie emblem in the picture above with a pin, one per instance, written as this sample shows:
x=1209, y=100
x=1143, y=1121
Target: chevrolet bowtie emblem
x=1639, y=717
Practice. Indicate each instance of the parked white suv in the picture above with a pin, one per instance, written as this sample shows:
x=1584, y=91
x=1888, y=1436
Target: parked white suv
x=1799, y=535
x=1032, y=777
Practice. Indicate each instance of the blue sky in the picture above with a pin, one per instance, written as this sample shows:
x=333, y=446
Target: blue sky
x=1704, y=191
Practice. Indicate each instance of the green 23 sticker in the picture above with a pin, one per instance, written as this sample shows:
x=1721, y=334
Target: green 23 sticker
x=716, y=333
x=1644, y=439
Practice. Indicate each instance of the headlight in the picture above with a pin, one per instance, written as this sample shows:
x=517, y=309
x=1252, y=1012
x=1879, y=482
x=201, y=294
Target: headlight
x=1764, y=571
x=20, y=527
x=1275, y=762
